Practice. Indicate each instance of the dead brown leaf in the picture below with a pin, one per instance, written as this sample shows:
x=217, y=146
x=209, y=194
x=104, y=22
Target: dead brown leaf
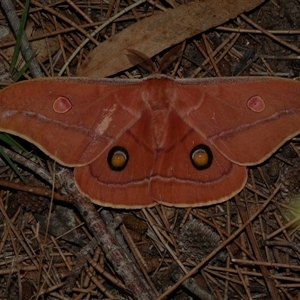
x=156, y=33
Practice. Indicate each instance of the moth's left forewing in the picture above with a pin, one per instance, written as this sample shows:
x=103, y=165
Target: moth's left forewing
x=98, y=112
x=218, y=109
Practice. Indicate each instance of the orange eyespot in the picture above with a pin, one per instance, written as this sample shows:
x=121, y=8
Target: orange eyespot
x=256, y=104
x=61, y=105
x=117, y=158
x=201, y=157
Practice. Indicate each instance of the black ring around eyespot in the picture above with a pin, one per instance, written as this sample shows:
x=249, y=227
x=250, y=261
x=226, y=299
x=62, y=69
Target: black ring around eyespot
x=111, y=154
x=204, y=149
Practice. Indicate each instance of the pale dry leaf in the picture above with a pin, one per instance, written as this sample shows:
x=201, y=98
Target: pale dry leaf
x=158, y=32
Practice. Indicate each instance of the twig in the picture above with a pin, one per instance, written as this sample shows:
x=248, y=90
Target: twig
x=26, y=50
x=108, y=243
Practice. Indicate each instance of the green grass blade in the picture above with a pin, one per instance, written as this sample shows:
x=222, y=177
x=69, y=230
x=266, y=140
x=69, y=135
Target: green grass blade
x=12, y=165
x=9, y=140
x=19, y=74
x=19, y=37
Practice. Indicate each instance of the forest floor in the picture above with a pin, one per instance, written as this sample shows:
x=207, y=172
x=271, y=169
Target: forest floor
x=245, y=248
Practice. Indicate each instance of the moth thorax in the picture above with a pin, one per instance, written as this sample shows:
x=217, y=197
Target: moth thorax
x=160, y=96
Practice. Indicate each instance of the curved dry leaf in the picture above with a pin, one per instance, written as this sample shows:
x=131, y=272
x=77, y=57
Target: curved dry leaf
x=160, y=31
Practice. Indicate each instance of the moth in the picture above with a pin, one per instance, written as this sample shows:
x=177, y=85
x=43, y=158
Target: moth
x=135, y=143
